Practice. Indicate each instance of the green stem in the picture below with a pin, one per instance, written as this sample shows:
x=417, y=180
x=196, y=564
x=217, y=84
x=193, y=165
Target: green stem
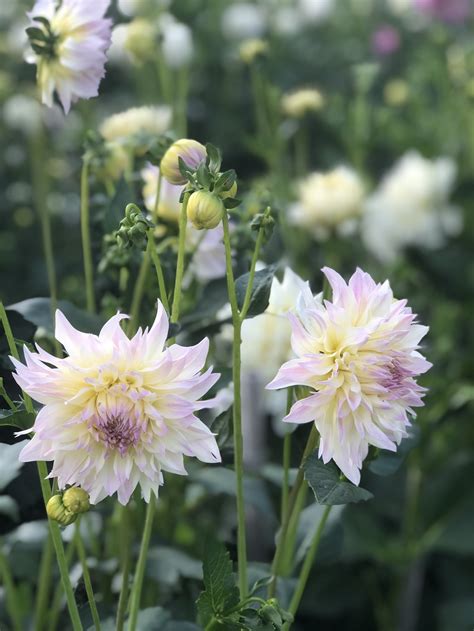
x=140, y=569
x=138, y=292
x=307, y=565
x=163, y=77
x=310, y=445
x=46, y=491
x=12, y=604
x=126, y=562
x=159, y=270
x=4, y=394
x=286, y=461
x=86, y=238
x=256, y=252
x=301, y=150
x=56, y=605
x=237, y=416
x=285, y=491
x=40, y=192
x=180, y=262
x=158, y=195
x=81, y=553
x=180, y=106
x=44, y=585
x=59, y=549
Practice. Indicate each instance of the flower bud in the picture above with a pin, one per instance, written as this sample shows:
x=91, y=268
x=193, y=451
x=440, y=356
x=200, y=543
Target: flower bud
x=250, y=49
x=299, y=103
x=190, y=151
x=58, y=512
x=232, y=192
x=205, y=210
x=141, y=39
x=76, y=500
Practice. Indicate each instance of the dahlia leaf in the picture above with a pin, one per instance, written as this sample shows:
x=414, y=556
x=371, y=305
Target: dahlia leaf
x=261, y=288
x=328, y=488
x=220, y=594
x=17, y=418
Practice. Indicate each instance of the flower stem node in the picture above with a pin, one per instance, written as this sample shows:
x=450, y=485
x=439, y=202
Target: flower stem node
x=58, y=512
x=76, y=500
x=189, y=151
x=205, y=210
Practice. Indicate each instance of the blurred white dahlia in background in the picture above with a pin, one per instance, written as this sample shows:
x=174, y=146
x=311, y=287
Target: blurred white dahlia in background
x=68, y=45
x=411, y=207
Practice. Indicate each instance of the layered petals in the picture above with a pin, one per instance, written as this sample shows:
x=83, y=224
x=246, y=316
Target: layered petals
x=118, y=411
x=359, y=357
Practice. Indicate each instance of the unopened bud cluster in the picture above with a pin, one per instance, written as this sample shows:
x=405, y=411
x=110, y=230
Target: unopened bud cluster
x=65, y=507
x=133, y=227
x=210, y=192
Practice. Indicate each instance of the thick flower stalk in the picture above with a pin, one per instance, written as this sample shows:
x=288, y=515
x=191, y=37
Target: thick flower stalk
x=118, y=411
x=69, y=40
x=359, y=356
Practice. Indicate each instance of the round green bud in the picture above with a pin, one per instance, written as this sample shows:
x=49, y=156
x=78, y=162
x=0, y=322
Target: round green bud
x=190, y=151
x=205, y=210
x=58, y=512
x=76, y=500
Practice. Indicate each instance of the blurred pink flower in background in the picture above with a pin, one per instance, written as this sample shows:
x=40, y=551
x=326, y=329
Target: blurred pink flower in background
x=454, y=11
x=385, y=40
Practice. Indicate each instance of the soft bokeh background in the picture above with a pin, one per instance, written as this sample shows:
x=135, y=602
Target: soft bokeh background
x=397, y=83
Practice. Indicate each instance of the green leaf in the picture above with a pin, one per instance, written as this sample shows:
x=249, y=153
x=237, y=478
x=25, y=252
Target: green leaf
x=223, y=428
x=327, y=486
x=220, y=594
x=38, y=311
x=214, y=158
x=203, y=176
x=261, y=288
x=225, y=181
x=17, y=418
x=10, y=465
x=231, y=202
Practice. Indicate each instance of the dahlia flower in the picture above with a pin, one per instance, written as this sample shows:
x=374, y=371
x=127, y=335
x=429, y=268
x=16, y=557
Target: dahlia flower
x=358, y=355
x=411, y=207
x=118, y=411
x=298, y=103
x=328, y=201
x=70, y=50
x=135, y=124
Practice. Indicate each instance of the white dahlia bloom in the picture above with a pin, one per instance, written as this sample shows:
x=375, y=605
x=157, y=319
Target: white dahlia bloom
x=168, y=206
x=69, y=48
x=266, y=338
x=411, y=207
x=328, y=201
x=359, y=357
x=137, y=123
x=118, y=411
x=177, y=44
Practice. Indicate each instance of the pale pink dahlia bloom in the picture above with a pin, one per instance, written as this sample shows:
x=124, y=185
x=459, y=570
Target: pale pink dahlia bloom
x=358, y=355
x=73, y=59
x=118, y=411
